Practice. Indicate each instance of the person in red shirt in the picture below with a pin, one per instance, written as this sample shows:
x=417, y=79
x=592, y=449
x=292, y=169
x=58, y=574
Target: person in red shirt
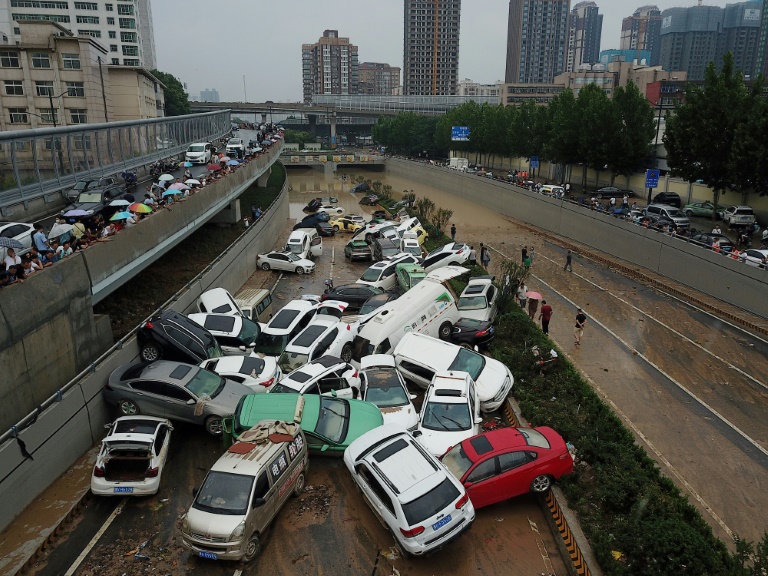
x=546, y=314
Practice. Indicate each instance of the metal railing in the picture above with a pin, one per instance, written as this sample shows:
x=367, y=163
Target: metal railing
x=45, y=161
x=419, y=104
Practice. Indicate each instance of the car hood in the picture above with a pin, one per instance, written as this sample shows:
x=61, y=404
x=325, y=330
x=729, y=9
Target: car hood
x=363, y=417
x=215, y=525
x=82, y=206
x=405, y=416
x=439, y=441
x=226, y=401
x=481, y=314
x=491, y=379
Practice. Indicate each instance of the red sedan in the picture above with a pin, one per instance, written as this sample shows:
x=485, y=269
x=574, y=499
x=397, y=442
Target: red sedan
x=508, y=462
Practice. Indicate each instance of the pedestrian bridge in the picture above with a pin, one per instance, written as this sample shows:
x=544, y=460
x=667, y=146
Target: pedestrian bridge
x=331, y=160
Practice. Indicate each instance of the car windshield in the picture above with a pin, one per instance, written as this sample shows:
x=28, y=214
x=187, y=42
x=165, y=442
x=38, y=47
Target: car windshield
x=415, y=250
x=89, y=197
x=80, y=185
x=371, y=275
x=372, y=304
x=431, y=503
x=249, y=332
x=457, y=461
x=451, y=417
x=675, y=213
x=293, y=257
x=384, y=388
x=468, y=361
x=196, y=148
x=333, y=421
x=206, y=383
x=534, y=437
x=289, y=361
x=224, y=493
x=471, y=303
x=271, y=344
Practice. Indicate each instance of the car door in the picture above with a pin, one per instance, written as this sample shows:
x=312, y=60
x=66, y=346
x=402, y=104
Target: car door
x=517, y=469
x=262, y=504
x=377, y=497
x=333, y=384
x=492, y=297
x=280, y=262
x=147, y=394
x=482, y=484
x=177, y=404
x=160, y=446
x=324, y=344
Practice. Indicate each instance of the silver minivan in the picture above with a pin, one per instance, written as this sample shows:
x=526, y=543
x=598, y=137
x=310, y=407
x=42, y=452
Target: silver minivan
x=244, y=490
x=670, y=213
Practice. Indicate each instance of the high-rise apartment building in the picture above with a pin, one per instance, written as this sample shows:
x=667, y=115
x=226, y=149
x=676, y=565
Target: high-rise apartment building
x=378, y=79
x=642, y=31
x=329, y=66
x=584, y=30
x=761, y=65
x=537, y=38
x=693, y=37
x=209, y=95
x=124, y=27
x=431, y=47
x=469, y=88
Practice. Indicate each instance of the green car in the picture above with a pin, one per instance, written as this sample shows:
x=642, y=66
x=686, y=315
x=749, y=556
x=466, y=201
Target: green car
x=703, y=209
x=330, y=424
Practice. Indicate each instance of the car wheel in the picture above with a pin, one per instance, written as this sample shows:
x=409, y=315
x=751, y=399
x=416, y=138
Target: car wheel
x=265, y=266
x=253, y=548
x=128, y=407
x=346, y=352
x=150, y=352
x=689, y=213
x=214, y=426
x=299, y=488
x=335, y=228
x=445, y=331
x=299, y=270
x=541, y=484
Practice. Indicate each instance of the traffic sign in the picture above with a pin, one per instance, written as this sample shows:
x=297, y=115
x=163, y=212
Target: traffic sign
x=460, y=133
x=534, y=162
x=651, y=178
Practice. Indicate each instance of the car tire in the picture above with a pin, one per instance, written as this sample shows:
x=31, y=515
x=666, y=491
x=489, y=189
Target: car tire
x=346, y=352
x=128, y=407
x=214, y=425
x=265, y=266
x=151, y=352
x=335, y=229
x=446, y=328
x=299, y=270
x=253, y=548
x=689, y=213
x=299, y=488
x=541, y=484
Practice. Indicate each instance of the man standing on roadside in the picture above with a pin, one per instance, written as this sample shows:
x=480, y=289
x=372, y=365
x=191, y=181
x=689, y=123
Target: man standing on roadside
x=523, y=254
x=485, y=256
x=578, y=331
x=453, y=232
x=568, y=262
x=545, y=316
x=39, y=239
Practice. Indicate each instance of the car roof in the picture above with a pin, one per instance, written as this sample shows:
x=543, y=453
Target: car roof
x=502, y=439
x=316, y=368
x=226, y=324
x=377, y=360
x=177, y=372
x=253, y=461
x=234, y=364
x=410, y=471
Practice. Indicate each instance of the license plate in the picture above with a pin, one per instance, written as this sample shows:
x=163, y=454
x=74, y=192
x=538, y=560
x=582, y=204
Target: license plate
x=209, y=555
x=123, y=490
x=440, y=523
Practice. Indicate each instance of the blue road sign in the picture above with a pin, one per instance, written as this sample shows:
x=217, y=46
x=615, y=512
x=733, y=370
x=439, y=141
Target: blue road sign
x=460, y=133
x=651, y=178
x=534, y=162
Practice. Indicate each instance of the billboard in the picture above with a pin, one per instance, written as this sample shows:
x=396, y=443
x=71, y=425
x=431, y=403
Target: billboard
x=752, y=14
x=460, y=133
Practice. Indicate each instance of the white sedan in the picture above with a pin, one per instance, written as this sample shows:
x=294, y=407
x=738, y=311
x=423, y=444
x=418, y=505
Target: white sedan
x=331, y=209
x=382, y=384
x=286, y=261
x=753, y=257
x=253, y=371
x=132, y=457
x=20, y=231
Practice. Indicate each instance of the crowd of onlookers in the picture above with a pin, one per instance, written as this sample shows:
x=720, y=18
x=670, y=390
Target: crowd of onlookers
x=85, y=232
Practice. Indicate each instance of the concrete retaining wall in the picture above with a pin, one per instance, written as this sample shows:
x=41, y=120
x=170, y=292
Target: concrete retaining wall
x=64, y=431
x=703, y=270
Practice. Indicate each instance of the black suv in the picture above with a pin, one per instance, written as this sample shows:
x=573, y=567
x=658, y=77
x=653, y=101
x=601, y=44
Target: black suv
x=95, y=201
x=172, y=336
x=83, y=185
x=668, y=198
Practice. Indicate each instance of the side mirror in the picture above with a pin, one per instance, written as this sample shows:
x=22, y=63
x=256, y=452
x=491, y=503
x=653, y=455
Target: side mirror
x=252, y=345
x=478, y=420
x=242, y=348
x=333, y=393
x=258, y=502
x=190, y=402
x=417, y=433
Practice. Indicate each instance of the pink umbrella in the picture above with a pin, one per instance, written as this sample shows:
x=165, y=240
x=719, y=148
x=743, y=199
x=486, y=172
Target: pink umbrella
x=533, y=295
x=214, y=167
x=178, y=186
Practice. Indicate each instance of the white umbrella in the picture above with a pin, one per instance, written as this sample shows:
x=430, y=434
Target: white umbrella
x=166, y=177
x=59, y=229
x=192, y=181
x=119, y=203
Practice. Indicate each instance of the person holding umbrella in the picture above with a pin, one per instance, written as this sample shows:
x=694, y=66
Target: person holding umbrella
x=533, y=303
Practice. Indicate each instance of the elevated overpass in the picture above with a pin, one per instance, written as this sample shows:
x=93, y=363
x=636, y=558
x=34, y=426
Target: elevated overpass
x=331, y=160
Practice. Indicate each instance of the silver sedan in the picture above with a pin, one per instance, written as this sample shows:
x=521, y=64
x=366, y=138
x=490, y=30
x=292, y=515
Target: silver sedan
x=287, y=261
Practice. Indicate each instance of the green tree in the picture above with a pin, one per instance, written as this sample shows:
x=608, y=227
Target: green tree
x=298, y=137
x=441, y=218
x=749, y=154
x=176, y=99
x=563, y=144
x=424, y=208
x=700, y=135
x=596, y=122
x=632, y=131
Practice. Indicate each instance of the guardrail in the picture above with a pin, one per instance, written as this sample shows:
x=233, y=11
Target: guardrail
x=45, y=161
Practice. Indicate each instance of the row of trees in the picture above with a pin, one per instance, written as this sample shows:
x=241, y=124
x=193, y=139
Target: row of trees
x=590, y=129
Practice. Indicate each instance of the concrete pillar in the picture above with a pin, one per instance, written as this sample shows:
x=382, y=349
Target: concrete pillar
x=263, y=117
x=312, y=118
x=333, y=129
x=261, y=181
x=229, y=215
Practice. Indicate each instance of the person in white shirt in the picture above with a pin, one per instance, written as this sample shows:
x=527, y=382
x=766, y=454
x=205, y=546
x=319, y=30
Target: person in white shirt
x=11, y=258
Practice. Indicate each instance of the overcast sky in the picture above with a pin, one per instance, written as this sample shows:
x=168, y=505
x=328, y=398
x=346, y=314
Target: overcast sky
x=213, y=44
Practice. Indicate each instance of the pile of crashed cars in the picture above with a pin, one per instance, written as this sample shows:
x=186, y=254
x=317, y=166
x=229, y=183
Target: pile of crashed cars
x=333, y=374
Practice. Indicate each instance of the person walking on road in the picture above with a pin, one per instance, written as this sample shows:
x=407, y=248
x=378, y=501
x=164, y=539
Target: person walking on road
x=472, y=256
x=453, y=232
x=524, y=254
x=578, y=331
x=485, y=256
x=533, y=307
x=545, y=316
x=521, y=294
x=568, y=258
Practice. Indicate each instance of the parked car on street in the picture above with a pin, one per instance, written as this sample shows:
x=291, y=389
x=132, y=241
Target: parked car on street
x=703, y=210
x=89, y=183
x=469, y=332
x=199, y=153
x=383, y=274
x=330, y=423
x=256, y=372
x=324, y=335
x=94, y=202
x=325, y=229
x=132, y=457
x=708, y=239
x=357, y=250
x=286, y=261
x=382, y=385
x=175, y=391
x=737, y=216
x=509, y=462
x=452, y=254
x=668, y=198
x=173, y=336
x=479, y=299
x=422, y=504
x=612, y=192
x=331, y=209
x=345, y=224
x=755, y=257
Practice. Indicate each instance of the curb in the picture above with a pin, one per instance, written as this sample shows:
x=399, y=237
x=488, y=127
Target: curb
x=571, y=543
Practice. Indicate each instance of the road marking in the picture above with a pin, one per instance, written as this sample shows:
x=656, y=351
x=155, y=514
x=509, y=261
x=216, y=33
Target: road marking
x=115, y=513
x=542, y=547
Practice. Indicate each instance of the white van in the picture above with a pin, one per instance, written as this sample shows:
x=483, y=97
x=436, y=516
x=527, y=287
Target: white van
x=244, y=491
x=305, y=242
x=409, y=244
x=255, y=303
x=427, y=308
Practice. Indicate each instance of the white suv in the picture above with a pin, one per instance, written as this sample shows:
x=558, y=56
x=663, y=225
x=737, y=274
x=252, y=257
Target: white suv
x=199, y=153
x=236, y=146
x=450, y=413
x=739, y=216
x=452, y=254
x=325, y=334
x=283, y=326
x=383, y=274
x=423, y=505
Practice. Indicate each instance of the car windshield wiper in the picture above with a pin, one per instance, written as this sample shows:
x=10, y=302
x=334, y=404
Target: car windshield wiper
x=458, y=426
x=344, y=416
